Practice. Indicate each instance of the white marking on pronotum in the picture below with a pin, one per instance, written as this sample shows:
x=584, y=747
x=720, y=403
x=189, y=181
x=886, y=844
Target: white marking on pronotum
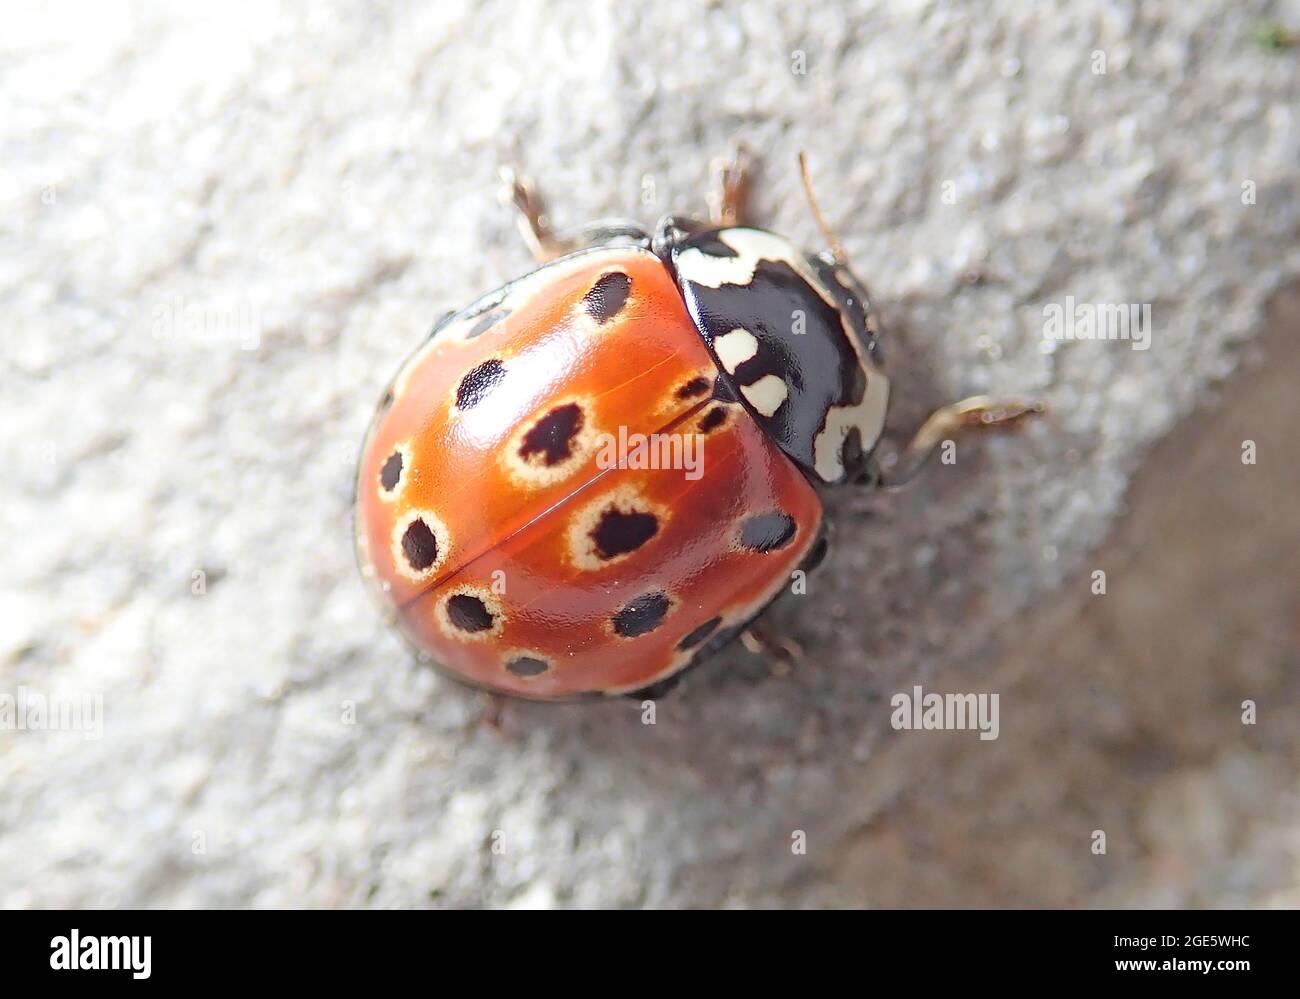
x=767, y=394
x=868, y=416
x=751, y=245
x=735, y=348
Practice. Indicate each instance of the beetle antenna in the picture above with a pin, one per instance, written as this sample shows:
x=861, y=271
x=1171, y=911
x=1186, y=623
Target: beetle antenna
x=837, y=250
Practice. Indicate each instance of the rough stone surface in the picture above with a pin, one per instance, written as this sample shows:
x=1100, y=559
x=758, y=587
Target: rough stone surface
x=221, y=232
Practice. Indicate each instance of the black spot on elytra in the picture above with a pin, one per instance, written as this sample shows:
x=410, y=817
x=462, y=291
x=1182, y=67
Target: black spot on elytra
x=699, y=634
x=713, y=419
x=552, y=435
x=767, y=532
x=607, y=296
x=696, y=386
x=478, y=383
x=486, y=322
x=527, y=666
x=642, y=615
x=619, y=533
x=469, y=613
x=419, y=545
x=391, y=473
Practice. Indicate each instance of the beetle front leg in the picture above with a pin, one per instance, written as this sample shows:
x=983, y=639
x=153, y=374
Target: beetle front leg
x=730, y=189
x=977, y=412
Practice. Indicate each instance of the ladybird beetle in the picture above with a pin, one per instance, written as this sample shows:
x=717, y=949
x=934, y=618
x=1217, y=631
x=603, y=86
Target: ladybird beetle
x=509, y=511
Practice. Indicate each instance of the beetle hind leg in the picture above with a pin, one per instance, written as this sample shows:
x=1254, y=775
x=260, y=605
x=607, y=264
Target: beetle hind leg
x=783, y=654
x=978, y=412
x=729, y=191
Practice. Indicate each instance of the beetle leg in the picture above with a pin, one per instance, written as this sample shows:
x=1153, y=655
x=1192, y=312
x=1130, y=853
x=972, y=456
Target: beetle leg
x=543, y=241
x=729, y=190
x=784, y=653
x=493, y=709
x=977, y=412
x=534, y=226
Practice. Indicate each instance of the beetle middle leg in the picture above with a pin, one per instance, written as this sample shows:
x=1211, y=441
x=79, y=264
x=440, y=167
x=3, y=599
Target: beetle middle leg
x=534, y=225
x=544, y=243
x=977, y=412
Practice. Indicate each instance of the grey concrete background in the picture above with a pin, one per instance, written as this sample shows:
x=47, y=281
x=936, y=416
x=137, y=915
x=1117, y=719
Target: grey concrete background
x=221, y=232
